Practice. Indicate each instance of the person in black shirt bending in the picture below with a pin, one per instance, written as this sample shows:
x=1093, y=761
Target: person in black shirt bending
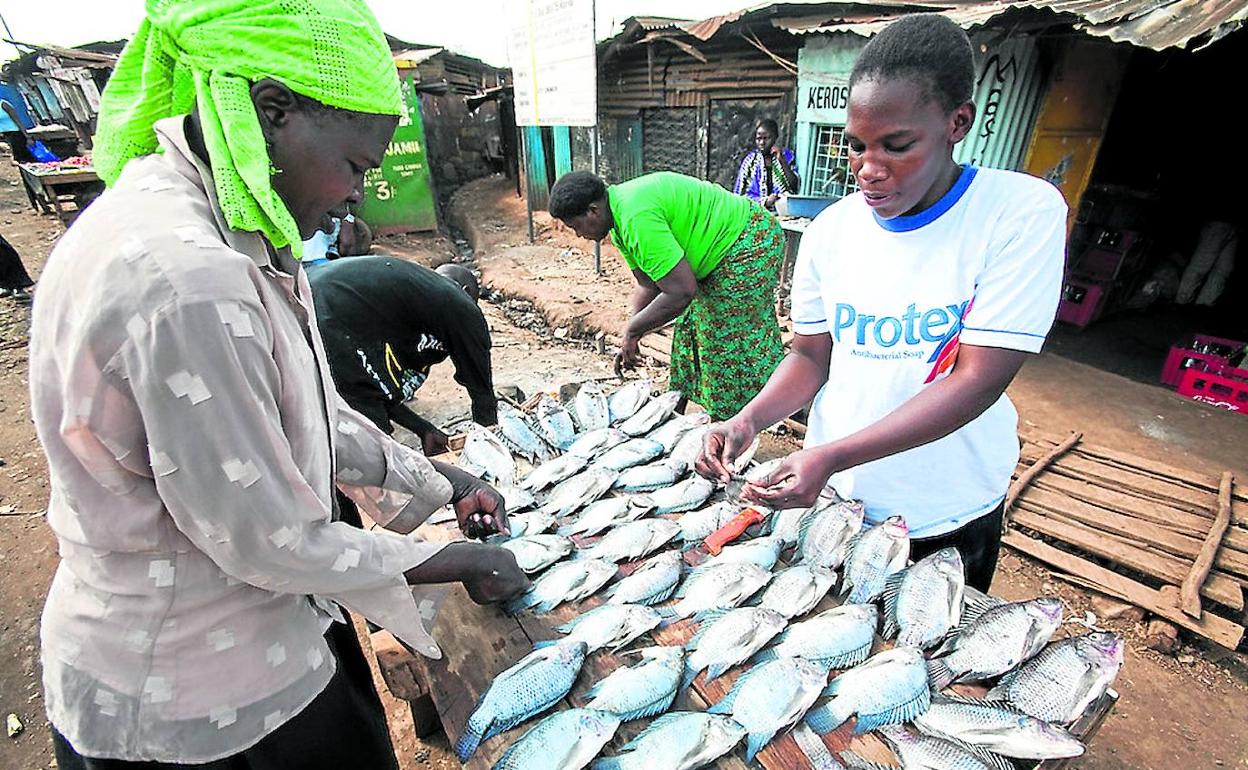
x=386, y=322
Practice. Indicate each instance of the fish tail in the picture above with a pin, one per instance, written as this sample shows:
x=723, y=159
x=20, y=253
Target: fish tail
x=754, y=743
x=519, y=605
x=939, y=675
x=670, y=616
x=607, y=763
x=716, y=670
x=467, y=744
x=544, y=644
x=828, y=717
x=688, y=676
x=762, y=656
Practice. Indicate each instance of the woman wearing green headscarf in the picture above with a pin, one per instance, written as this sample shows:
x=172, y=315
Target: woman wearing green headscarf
x=193, y=435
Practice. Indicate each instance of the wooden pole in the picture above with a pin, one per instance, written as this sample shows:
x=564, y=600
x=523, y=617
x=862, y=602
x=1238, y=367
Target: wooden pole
x=1036, y=469
x=1190, y=591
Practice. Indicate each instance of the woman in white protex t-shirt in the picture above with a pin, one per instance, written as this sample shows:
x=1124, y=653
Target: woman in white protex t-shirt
x=915, y=302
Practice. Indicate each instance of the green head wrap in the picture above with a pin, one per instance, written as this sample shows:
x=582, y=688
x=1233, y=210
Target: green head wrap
x=206, y=54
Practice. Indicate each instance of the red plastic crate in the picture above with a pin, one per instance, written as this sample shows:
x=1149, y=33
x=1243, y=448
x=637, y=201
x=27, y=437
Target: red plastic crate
x=1172, y=370
x=1082, y=302
x=1230, y=393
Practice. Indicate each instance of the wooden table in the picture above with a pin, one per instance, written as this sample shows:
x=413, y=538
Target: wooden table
x=50, y=190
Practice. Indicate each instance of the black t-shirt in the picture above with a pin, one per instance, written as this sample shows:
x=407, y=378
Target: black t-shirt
x=386, y=321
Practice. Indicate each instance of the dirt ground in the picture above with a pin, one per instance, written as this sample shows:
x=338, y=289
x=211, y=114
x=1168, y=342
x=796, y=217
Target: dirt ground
x=1174, y=712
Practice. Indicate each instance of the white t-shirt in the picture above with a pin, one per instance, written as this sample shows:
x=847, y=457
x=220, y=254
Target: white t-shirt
x=983, y=266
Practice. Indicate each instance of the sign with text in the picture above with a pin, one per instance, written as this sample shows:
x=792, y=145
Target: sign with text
x=398, y=196
x=823, y=102
x=554, y=71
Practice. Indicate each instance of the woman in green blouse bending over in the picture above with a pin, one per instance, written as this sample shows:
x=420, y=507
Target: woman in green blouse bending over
x=703, y=257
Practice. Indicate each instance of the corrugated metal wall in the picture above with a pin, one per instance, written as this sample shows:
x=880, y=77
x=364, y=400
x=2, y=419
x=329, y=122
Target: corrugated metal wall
x=1009, y=85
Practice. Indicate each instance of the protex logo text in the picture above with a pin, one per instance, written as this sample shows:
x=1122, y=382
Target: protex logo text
x=913, y=327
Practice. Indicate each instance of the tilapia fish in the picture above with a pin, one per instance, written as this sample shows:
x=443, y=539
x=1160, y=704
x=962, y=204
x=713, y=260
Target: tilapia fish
x=516, y=499
x=653, y=414
x=632, y=452
x=579, y=491
x=535, y=683
x=717, y=586
x=652, y=582
x=603, y=514
x=608, y=625
x=682, y=496
x=874, y=555
x=823, y=537
x=682, y=740
x=625, y=402
x=647, y=478
x=759, y=472
x=1065, y=678
x=567, y=581
x=923, y=603
x=838, y=638
x=696, y=526
x=763, y=551
x=520, y=436
x=487, y=457
x=529, y=524
x=670, y=432
x=728, y=637
x=553, y=472
x=595, y=442
x=771, y=697
x=590, y=405
x=565, y=740
x=689, y=446
x=796, y=590
x=993, y=639
x=641, y=690
x=786, y=524
x=925, y=751
x=632, y=540
x=998, y=728
x=535, y=553
x=554, y=423
x=888, y=689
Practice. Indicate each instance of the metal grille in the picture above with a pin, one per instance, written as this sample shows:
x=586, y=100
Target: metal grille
x=669, y=138
x=830, y=174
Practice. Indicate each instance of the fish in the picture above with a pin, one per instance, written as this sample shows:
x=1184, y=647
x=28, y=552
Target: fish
x=632, y=452
x=997, y=727
x=565, y=740
x=763, y=551
x=796, y=590
x=631, y=541
x=728, y=637
x=873, y=555
x=681, y=496
x=529, y=524
x=641, y=690
x=823, y=537
x=746, y=457
x=579, y=491
x=785, y=524
x=716, y=587
x=696, y=526
x=771, y=697
x=652, y=582
x=888, y=689
x=536, y=682
x=761, y=471
x=603, y=514
x=1066, y=677
x=520, y=435
x=647, y=478
x=925, y=751
x=681, y=740
x=923, y=603
x=838, y=638
x=553, y=472
x=669, y=433
x=653, y=414
x=566, y=581
x=689, y=446
x=516, y=499
x=593, y=443
x=608, y=625
x=554, y=423
x=590, y=407
x=624, y=402
x=487, y=457
x=535, y=553
x=994, y=638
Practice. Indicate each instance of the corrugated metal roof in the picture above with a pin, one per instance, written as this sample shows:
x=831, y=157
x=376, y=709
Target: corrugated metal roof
x=650, y=23
x=1155, y=24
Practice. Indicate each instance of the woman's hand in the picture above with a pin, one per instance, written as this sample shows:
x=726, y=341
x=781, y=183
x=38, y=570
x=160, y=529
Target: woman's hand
x=495, y=577
x=796, y=482
x=479, y=508
x=629, y=356
x=723, y=444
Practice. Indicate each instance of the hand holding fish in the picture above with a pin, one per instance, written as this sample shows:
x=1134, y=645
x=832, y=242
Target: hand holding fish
x=795, y=483
x=496, y=577
x=629, y=355
x=723, y=444
x=479, y=508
